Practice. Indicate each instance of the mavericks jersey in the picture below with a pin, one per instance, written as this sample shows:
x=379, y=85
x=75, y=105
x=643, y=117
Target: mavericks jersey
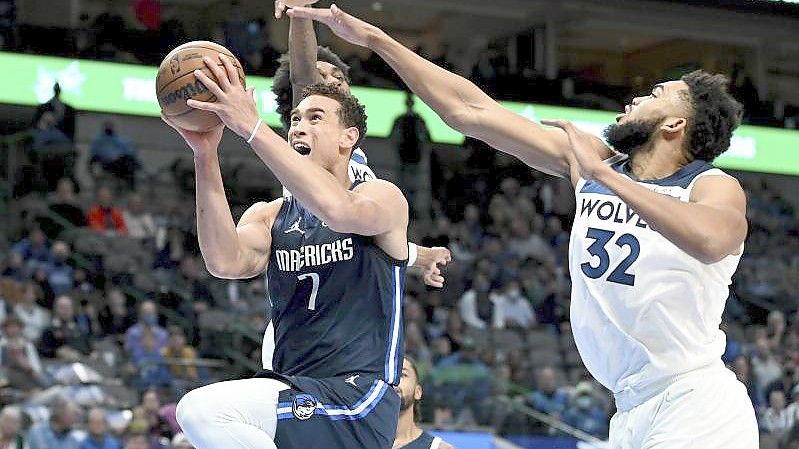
x=642, y=310
x=336, y=300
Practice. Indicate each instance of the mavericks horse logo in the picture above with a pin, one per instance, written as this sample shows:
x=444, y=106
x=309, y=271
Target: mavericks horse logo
x=304, y=406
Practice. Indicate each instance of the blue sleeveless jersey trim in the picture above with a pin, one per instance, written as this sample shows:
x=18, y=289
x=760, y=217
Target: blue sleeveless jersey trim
x=681, y=178
x=393, y=366
x=340, y=412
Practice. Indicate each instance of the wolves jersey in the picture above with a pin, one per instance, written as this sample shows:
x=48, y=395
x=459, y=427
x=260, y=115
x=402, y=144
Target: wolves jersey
x=336, y=300
x=642, y=310
x=425, y=441
x=358, y=169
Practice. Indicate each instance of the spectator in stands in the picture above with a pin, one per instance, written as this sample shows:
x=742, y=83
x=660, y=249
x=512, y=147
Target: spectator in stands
x=148, y=321
x=35, y=317
x=116, y=318
x=412, y=139
x=511, y=309
x=777, y=419
x=64, y=203
x=547, y=397
x=66, y=338
x=157, y=425
x=585, y=412
x=15, y=268
x=522, y=243
x=181, y=356
x=11, y=436
x=98, y=435
x=19, y=357
x=766, y=367
x=475, y=306
x=104, y=216
x=149, y=363
x=57, y=433
x=8, y=24
x=139, y=222
x=63, y=114
x=60, y=274
x=415, y=344
x=470, y=231
x=139, y=441
x=189, y=282
x=46, y=133
x=34, y=250
x=115, y=154
x=775, y=328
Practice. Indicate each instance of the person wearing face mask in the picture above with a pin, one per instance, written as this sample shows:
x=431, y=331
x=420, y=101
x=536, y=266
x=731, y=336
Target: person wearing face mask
x=148, y=322
x=585, y=413
x=60, y=274
x=512, y=309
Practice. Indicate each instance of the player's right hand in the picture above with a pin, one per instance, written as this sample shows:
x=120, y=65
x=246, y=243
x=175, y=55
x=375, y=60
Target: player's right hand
x=434, y=258
x=199, y=142
x=282, y=5
x=345, y=26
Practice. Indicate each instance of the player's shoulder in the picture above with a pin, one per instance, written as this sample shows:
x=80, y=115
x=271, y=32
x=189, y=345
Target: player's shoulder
x=716, y=183
x=378, y=185
x=262, y=211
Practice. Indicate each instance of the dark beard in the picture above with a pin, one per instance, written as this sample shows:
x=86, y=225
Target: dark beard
x=406, y=402
x=629, y=137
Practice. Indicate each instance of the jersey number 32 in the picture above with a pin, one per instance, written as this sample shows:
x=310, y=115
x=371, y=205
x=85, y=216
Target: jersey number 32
x=601, y=238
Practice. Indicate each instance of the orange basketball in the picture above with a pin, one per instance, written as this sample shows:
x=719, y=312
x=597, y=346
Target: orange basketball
x=176, y=83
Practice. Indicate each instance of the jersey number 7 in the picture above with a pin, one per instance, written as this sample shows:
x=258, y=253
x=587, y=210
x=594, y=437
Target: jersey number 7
x=619, y=274
x=314, y=288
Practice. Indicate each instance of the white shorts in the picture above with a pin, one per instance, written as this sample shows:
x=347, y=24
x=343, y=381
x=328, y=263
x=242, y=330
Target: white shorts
x=709, y=410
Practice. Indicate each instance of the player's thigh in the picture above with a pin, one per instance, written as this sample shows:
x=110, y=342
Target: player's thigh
x=251, y=401
x=712, y=412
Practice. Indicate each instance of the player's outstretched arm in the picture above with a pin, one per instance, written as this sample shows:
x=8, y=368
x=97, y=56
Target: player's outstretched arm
x=302, y=49
x=228, y=251
x=711, y=226
x=460, y=103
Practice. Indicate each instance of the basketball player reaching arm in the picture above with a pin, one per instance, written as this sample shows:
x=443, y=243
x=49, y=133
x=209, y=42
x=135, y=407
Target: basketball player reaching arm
x=335, y=256
x=657, y=237
x=307, y=66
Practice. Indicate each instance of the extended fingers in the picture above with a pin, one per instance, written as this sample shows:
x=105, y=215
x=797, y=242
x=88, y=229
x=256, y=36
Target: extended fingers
x=221, y=84
x=230, y=68
x=203, y=105
x=280, y=8
x=301, y=12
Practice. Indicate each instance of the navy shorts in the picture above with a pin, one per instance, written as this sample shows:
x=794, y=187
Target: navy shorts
x=352, y=412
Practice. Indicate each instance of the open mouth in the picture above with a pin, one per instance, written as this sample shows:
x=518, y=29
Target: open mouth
x=302, y=148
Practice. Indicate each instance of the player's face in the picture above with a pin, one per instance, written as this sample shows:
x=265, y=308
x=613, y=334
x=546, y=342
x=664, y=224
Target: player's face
x=317, y=132
x=408, y=389
x=664, y=101
x=332, y=75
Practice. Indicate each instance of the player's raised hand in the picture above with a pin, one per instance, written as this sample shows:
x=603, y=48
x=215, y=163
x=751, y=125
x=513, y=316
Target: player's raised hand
x=584, y=148
x=200, y=142
x=345, y=26
x=281, y=6
x=234, y=105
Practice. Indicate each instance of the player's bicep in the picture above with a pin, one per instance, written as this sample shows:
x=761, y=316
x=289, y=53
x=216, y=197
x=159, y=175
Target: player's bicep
x=726, y=219
x=373, y=208
x=255, y=236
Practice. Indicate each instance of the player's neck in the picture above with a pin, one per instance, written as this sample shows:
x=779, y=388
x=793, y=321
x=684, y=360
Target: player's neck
x=406, y=429
x=340, y=171
x=658, y=161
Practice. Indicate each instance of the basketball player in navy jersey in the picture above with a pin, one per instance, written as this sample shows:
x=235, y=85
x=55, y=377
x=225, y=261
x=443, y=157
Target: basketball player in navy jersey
x=657, y=237
x=335, y=255
x=307, y=63
x=410, y=436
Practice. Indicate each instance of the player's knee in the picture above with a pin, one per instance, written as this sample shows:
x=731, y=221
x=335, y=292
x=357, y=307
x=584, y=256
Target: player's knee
x=194, y=409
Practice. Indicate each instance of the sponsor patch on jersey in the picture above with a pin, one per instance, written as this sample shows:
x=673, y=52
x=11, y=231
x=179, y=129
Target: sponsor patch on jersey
x=304, y=406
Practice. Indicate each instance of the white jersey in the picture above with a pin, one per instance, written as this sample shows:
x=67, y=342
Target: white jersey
x=642, y=310
x=358, y=169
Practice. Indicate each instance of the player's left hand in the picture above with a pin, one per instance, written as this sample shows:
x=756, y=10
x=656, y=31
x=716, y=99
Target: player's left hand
x=584, y=148
x=343, y=25
x=234, y=105
x=431, y=260
x=282, y=5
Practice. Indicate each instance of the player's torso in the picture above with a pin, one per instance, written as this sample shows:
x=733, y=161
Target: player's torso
x=424, y=441
x=641, y=307
x=336, y=300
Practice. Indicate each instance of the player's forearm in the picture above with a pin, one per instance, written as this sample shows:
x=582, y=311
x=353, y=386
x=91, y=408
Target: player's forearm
x=302, y=56
x=216, y=229
x=450, y=95
x=316, y=188
x=704, y=232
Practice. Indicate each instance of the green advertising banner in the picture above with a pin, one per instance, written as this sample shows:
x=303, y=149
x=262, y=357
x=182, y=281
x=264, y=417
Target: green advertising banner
x=130, y=89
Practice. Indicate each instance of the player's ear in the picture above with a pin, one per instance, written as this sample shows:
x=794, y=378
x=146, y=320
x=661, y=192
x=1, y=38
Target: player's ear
x=417, y=392
x=674, y=127
x=349, y=137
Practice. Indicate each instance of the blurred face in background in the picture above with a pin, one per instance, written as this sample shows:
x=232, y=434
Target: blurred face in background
x=10, y=421
x=64, y=308
x=96, y=422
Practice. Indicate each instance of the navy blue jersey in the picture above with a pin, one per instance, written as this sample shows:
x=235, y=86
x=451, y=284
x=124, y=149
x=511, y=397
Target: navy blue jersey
x=336, y=300
x=425, y=441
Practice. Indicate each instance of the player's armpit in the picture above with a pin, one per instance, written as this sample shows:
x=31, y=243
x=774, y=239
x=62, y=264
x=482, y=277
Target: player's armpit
x=725, y=223
x=371, y=208
x=255, y=241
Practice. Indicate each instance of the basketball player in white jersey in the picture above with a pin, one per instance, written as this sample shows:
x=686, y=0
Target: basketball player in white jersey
x=409, y=435
x=656, y=240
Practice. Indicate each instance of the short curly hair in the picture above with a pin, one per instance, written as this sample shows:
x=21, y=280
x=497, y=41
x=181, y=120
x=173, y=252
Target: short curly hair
x=281, y=83
x=716, y=114
x=351, y=113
